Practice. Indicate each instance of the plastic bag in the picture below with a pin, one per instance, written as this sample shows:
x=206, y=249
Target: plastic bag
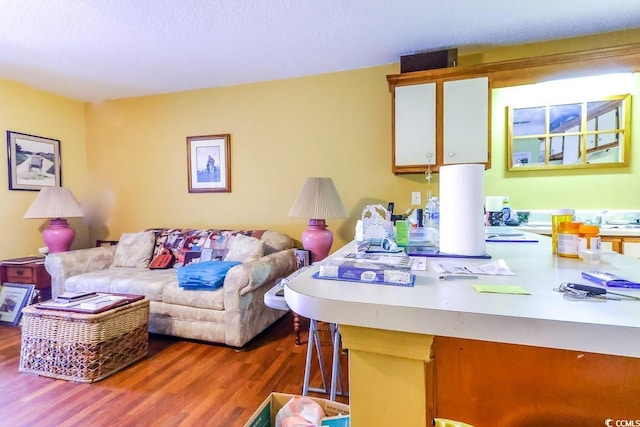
x=300, y=412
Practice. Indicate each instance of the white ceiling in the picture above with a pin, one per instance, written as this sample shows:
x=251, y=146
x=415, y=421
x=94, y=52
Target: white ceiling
x=95, y=50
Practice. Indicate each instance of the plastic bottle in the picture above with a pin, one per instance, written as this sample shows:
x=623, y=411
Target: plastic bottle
x=433, y=218
x=558, y=216
x=588, y=238
x=568, y=239
x=506, y=210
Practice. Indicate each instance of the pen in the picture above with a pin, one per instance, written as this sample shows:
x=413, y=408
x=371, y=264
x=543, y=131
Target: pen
x=457, y=276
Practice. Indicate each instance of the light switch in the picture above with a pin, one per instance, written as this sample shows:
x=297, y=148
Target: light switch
x=416, y=198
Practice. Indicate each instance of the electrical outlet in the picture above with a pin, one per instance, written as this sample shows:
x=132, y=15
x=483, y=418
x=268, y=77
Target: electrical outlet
x=416, y=198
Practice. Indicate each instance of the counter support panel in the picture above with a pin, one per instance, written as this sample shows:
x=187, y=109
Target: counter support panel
x=389, y=372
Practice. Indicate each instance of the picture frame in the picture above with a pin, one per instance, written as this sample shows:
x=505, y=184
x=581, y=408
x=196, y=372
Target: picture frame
x=34, y=161
x=209, y=163
x=13, y=298
x=304, y=257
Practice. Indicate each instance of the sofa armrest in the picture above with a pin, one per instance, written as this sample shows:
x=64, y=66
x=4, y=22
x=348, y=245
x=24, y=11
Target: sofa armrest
x=245, y=312
x=62, y=265
x=251, y=275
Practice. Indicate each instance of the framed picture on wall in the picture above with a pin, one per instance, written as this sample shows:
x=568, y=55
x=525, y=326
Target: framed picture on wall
x=13, y=298
x=34, y=161
x=209, y=163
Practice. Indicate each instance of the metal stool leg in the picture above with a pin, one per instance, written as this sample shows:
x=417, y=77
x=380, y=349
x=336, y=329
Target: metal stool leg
x=314, y=339
x=335, y=364
x=307, y=366
x=336, y=372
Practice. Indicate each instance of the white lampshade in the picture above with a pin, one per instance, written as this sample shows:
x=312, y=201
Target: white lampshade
x=54, y=202
x=318, y=199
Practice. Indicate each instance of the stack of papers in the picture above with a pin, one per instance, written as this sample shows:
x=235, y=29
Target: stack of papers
x=494, y=268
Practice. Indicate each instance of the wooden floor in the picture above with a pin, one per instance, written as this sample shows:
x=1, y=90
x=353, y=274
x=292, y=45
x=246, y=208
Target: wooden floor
x=180, y=383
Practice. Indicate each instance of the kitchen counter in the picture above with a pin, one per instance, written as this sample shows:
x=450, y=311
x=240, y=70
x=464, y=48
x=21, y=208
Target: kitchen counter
x=390, y=331
x=604, y=231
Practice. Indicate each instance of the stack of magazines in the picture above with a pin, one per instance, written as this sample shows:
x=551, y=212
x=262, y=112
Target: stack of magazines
x=88, y=302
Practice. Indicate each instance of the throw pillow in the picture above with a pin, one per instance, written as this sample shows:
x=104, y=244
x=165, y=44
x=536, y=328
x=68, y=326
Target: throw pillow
x=164, y=259
x=134, y=250
x=245, y=248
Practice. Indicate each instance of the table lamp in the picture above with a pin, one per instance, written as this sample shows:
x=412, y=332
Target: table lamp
x=318, y=200
x=56, y=203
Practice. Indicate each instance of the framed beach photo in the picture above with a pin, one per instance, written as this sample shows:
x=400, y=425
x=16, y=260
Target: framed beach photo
x=209, y=163
x=13, y=298
x=34, y=162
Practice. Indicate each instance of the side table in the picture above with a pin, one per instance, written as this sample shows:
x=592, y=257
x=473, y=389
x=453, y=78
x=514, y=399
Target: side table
x=29, y=271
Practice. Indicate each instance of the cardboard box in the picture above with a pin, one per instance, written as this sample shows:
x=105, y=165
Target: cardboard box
x=337, y=414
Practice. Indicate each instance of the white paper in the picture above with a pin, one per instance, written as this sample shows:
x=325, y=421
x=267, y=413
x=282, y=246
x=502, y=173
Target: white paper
x=494, y=268
x=419, y=263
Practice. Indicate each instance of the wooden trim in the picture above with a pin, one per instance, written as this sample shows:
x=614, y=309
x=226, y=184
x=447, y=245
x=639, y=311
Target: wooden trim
x=624, y=58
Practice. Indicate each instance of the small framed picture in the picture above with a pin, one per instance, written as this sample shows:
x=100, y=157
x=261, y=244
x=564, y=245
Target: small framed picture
x=34, y=162
x=13, y=298
x=209, y=163
x=303, y=257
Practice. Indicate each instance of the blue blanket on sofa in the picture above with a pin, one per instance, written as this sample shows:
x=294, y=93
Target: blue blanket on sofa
x=207, y=275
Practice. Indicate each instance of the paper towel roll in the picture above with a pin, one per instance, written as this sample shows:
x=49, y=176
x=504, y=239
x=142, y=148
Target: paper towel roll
x=462, y=210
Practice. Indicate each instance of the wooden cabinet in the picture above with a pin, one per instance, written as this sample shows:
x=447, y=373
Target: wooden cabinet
x=462, y=106
x=622, y=244
x=439, y=122
x=32, y=273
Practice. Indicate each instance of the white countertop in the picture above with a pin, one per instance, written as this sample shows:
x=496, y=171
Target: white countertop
x=453, y=308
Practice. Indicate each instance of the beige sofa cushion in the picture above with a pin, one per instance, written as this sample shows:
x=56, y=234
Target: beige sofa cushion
x=125, y=280
x=134, y=250
x=245, y=248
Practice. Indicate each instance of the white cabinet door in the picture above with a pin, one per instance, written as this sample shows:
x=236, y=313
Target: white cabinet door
x=606, y=246
x=631, y=249
x=466, y=121
x=415, y=124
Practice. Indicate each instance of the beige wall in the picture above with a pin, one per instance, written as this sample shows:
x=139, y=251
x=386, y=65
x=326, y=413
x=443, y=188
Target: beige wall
x=336, y=125
x=30, y=111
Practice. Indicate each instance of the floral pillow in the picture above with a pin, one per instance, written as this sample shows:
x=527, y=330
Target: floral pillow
x=134, y=250
x=244, y=248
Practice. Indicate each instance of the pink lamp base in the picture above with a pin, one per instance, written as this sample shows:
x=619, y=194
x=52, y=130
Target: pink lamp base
x=58, y=236
x=317, y=239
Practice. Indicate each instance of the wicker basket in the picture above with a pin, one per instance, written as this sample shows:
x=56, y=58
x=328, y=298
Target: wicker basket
x=83, y=347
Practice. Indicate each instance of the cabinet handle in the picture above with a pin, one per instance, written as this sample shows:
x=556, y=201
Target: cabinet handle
x=452, y=154
x=20, y=272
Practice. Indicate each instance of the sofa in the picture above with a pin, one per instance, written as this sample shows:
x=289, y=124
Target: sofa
x=232, y=313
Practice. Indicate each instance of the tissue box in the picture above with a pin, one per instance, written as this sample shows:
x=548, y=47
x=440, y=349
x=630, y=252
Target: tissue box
x=364, y=271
